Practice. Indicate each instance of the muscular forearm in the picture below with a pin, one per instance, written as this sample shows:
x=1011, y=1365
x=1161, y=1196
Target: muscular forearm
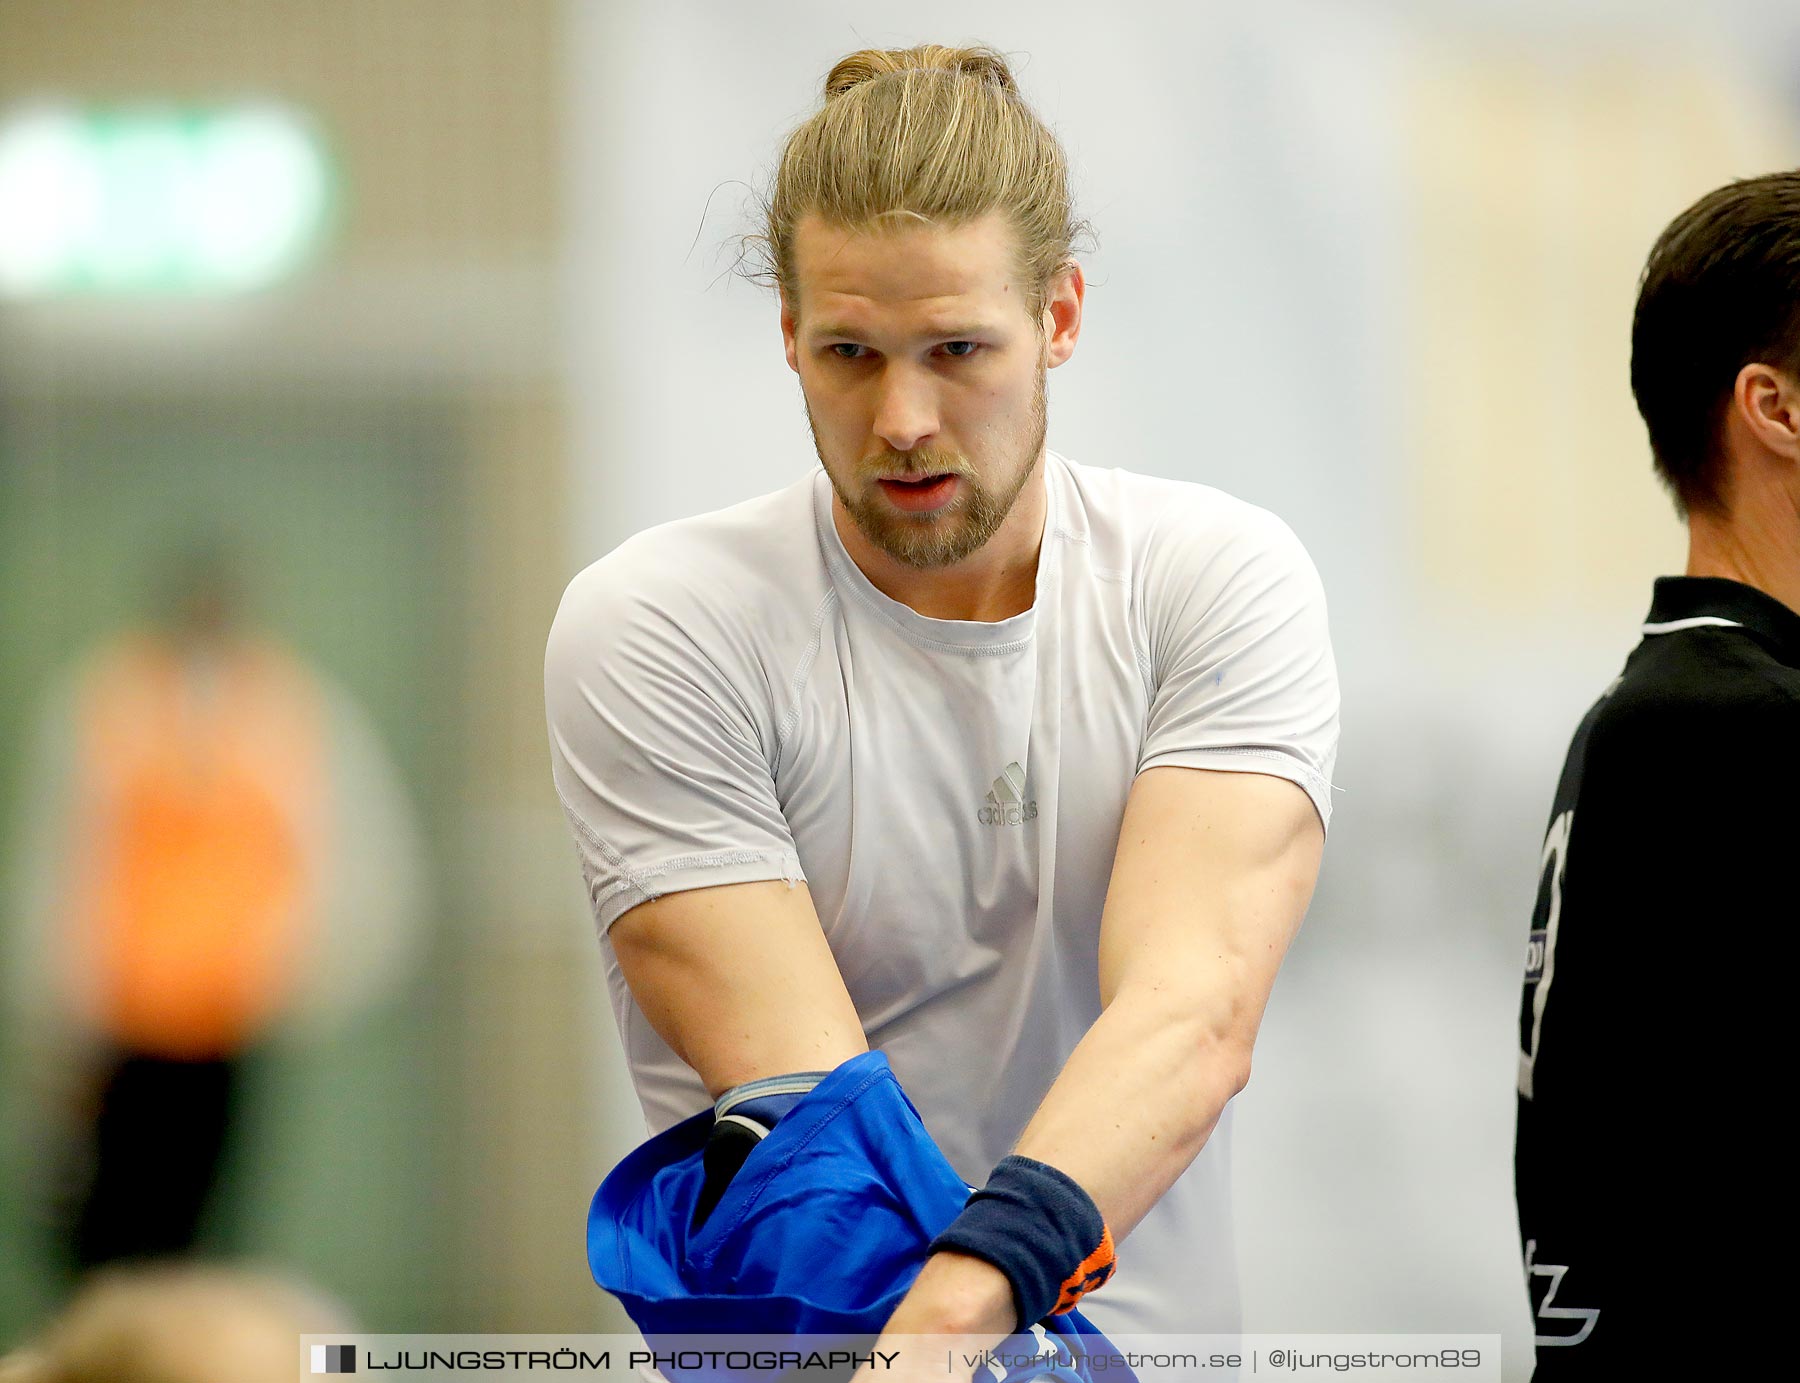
x=1134, y=1104
x=1137, y=1100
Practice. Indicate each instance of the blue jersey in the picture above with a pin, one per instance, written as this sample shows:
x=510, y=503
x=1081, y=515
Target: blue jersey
x=820, y=1234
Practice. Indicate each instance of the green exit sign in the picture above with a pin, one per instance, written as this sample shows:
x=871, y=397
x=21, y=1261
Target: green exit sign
x=158, y=200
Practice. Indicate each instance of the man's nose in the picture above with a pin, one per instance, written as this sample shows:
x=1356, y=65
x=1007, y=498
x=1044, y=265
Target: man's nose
x=906, y=411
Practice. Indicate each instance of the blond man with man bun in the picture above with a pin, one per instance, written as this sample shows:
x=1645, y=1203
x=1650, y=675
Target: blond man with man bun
x=1011, y=767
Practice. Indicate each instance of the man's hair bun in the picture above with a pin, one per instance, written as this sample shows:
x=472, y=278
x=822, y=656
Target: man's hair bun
x=932, y=136
x=981, y=62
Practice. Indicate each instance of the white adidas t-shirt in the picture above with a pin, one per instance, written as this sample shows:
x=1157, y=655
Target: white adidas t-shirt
x=731, y=699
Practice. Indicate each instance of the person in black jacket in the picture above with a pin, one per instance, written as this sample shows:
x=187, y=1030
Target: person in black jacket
x=1648, y=1060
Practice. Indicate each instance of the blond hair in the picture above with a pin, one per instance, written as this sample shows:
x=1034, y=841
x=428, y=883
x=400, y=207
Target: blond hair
x=935, y=135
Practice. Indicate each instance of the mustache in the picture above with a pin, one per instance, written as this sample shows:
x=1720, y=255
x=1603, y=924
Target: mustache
x=912, y=467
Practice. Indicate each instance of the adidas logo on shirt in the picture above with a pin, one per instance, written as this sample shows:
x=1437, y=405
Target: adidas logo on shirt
x=1006, y=805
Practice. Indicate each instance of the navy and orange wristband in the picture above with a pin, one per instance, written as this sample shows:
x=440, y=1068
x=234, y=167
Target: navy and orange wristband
x=1037, y=1226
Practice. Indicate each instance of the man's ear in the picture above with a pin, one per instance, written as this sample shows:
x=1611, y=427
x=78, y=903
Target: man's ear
x=1767, y=402
x=1061, y=322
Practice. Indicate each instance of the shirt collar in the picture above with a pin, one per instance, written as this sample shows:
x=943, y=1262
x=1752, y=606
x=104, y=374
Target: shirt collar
x=1688, y=602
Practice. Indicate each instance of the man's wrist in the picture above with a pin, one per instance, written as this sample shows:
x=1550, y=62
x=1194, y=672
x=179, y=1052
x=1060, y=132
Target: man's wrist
x=957, y=1294
x=1041, y=1230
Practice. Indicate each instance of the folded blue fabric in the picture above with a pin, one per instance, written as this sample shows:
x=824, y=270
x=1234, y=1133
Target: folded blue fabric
x=820, y=1234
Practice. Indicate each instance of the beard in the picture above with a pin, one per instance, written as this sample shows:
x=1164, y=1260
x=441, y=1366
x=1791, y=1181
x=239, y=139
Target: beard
x=961, y=527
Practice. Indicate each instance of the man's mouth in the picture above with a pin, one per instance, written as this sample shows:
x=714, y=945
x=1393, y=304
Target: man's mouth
x=919, y=494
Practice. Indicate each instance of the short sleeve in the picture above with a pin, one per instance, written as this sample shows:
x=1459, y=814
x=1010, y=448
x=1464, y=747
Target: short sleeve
x=1241, y=672
x=659, y=750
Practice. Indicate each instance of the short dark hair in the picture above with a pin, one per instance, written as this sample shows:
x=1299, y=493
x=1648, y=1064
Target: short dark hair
x=1720, y=290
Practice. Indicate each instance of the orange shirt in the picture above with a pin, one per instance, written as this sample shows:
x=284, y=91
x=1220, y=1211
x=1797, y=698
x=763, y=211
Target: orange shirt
x=198, y=808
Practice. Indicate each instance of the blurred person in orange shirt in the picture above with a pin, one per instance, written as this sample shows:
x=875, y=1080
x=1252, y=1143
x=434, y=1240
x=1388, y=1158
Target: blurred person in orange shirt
x=217, y=803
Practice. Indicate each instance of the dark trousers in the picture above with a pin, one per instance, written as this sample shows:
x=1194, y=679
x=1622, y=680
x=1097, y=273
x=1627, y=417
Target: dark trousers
x=158, y=1138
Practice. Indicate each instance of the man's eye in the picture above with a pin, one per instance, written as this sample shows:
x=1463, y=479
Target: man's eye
x=846, y=350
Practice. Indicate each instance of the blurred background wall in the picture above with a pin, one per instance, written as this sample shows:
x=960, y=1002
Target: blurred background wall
x=383, y=430
x=1370, y=265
